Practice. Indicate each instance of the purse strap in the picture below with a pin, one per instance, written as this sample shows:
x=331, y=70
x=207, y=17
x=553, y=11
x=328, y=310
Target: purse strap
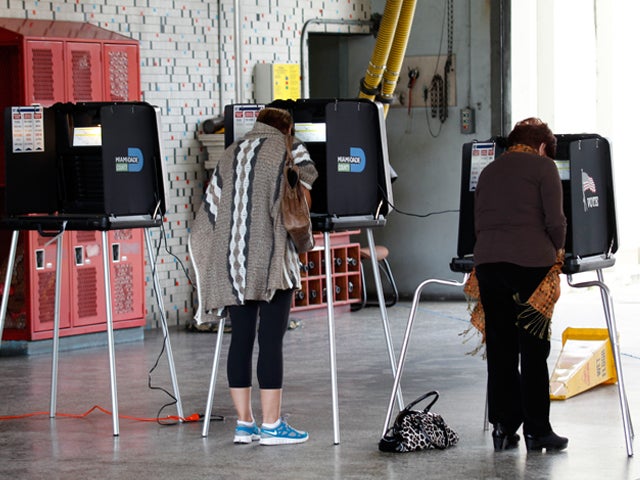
x=432, y=393
x=288, y=144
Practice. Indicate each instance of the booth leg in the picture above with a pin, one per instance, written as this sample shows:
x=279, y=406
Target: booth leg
x=7, y=280
x=56, y=327
x=332, y=337
x=607, y=305
x=212, y=382
x=157, y=290
x=375, y=266
x=405, y=342
x=112, y=354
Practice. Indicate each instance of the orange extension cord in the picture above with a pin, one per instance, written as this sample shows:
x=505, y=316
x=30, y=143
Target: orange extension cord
x=195, y=417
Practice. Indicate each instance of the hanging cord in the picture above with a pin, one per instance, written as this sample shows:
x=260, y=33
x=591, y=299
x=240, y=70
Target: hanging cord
x=410, y=214
x=173, y=420
x=437, y=82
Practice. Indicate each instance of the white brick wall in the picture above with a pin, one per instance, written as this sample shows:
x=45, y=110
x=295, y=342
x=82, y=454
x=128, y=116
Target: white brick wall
x=182, y=73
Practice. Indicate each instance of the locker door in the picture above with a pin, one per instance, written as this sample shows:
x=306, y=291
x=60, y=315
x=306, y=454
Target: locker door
x=87, y=279
x=42, y=278
x=45, y=72
x=127, y=274
x=121, y=73
x=84, y=72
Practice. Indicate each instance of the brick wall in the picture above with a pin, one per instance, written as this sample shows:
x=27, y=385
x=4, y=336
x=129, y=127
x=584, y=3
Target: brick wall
x=188, y=70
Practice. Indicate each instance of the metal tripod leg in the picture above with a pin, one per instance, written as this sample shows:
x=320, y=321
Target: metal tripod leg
x=375, y=266
x=7, y=280
x=56, y=327
x=331, y=320
x=112, y=353
x=156, y=289
x=212, y=382
x=405, y=341
x=607, y=305
x=332, y=337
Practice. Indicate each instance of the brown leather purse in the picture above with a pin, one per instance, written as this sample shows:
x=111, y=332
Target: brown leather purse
x=295, y=210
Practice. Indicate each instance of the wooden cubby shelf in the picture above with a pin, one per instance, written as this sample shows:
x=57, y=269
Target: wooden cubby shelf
x=347, y=283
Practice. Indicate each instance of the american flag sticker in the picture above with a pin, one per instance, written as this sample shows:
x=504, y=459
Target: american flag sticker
x=588, y=185
x=589, y=198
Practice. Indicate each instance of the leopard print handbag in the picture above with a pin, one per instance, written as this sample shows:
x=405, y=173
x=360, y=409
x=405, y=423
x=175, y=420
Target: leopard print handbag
x=415, y=430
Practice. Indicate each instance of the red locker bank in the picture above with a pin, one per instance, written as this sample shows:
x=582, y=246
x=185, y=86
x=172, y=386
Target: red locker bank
x=45, y=62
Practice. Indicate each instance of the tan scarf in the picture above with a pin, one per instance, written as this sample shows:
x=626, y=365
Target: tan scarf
x=521, y=147
x=536, y=317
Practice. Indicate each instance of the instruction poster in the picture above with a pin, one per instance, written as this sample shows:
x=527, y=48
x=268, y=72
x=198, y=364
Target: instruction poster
x=27, y=127
x=481, y=155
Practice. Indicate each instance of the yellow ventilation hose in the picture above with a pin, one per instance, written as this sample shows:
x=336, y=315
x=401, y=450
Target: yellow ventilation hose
x=377, y=64
x=398, y=48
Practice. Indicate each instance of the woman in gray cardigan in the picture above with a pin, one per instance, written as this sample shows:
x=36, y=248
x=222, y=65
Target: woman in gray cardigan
x=248, y=268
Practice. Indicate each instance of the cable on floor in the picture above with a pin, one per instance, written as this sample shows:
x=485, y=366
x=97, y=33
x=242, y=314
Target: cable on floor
x=174, y=419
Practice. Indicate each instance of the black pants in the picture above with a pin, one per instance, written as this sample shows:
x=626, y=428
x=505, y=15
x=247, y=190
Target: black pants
x=518, y=377
x=274, y=319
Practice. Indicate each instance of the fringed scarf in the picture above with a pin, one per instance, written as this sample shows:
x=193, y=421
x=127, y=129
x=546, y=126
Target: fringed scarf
x=538, y=309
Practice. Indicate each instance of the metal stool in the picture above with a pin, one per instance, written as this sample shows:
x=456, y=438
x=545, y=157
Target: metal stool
x=382, y=253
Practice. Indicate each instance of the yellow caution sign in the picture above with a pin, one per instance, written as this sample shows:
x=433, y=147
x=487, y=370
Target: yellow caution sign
x=586, y=360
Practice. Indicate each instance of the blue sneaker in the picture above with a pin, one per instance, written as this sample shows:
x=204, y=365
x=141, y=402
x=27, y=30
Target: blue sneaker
x=283, y=434
x=246, y=434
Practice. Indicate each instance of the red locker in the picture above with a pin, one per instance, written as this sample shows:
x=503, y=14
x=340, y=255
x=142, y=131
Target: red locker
x=46, y=62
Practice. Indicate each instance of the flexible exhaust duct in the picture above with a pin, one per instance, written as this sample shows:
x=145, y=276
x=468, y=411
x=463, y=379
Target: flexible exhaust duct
x=398, y=48
x=369, y=85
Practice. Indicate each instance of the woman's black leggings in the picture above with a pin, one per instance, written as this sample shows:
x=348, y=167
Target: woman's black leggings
x=274, y=319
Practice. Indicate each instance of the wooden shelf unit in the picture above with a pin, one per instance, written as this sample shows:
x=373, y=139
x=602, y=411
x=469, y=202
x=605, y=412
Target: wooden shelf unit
x=347, y=282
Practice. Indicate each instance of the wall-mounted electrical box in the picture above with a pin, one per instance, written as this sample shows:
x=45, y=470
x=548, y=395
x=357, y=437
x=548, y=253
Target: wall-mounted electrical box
x=467, y=120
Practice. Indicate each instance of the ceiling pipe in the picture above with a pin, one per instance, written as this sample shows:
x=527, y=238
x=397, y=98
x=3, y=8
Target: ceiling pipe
x=238, y=50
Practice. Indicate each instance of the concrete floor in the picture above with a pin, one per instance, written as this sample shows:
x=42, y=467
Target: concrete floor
x=79, y=448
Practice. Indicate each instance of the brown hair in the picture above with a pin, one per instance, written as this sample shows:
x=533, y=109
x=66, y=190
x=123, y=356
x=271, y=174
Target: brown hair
x=533, y=132
x=277, y=118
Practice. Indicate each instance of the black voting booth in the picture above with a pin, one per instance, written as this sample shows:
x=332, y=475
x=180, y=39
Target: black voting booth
x=347, y=141
x=584, y=166
x=85, y=166
x=100, y=167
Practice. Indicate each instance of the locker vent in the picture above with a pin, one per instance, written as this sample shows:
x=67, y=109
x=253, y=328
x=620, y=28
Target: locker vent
x=87, y=293
x=81, y=72
x=123, y=289
x=118, y=76
x=86, y=236
x=124, y=234
x=43, y=74
x=46, y=296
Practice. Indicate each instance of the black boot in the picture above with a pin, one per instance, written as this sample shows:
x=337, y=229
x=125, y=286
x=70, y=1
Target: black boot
x=550, y=441
x=503, y=440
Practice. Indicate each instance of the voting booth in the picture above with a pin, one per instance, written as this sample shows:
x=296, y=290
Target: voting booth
x=84, y=166
x=584, y=166
x=347, y=142
x=93, y=164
